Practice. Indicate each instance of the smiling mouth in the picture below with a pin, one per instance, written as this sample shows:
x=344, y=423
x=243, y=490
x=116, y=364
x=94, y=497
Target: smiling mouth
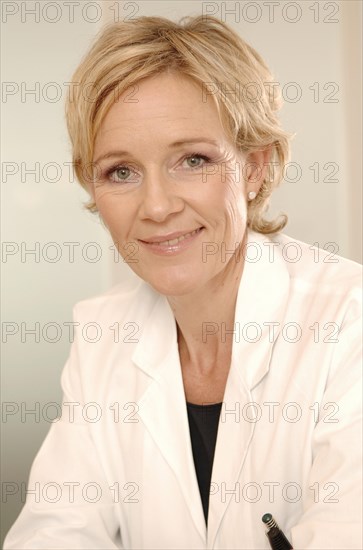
x=172, y=242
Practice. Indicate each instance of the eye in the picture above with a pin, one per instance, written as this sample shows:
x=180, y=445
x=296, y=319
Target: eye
x=120, y=173
x=195, y=160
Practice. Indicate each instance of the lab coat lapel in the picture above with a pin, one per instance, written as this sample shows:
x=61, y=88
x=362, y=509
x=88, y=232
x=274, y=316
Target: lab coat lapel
x=261, y=299
x=162, y=407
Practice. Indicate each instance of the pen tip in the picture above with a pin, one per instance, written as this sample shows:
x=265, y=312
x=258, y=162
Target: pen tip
x=266, y=518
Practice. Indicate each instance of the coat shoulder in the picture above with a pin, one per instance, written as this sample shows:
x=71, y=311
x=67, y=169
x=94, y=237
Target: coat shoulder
x=321, y=270
x=129, y=299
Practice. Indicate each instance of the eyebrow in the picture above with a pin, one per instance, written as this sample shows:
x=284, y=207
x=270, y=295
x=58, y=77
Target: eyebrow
x=173, y=145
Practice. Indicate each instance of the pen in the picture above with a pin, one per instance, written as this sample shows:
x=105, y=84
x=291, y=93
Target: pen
x=276, y=537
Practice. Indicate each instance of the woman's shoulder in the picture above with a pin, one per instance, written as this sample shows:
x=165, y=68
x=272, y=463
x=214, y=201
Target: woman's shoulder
x=316, y=264
x=130, y=298
x=319, y=276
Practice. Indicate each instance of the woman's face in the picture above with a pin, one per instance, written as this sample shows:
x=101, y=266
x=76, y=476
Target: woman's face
x=164, y=166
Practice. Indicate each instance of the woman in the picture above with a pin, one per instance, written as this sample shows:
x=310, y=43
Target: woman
x=223, y=381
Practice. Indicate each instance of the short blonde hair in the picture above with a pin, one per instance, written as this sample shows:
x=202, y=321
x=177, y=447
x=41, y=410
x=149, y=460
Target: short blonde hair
x=204, y=49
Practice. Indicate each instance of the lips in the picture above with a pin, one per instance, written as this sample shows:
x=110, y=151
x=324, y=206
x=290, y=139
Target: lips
x=174, y=238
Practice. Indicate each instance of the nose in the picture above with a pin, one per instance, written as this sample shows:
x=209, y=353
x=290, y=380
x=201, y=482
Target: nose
x=160, y=197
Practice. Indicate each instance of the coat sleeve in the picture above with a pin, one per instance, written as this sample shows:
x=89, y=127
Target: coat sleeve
x=332, y=513
x=70, y=504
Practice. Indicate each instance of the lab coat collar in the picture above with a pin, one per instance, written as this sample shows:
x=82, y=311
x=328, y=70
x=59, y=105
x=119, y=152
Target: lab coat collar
x=261, y=304
x=261, y=300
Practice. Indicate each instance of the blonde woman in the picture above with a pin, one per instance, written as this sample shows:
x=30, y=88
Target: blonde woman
x=225, y=381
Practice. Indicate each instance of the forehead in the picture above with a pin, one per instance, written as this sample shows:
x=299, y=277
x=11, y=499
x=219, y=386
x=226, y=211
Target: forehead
x=166, y=103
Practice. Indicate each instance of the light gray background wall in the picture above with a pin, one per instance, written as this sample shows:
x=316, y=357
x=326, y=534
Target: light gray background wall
x=309, y=45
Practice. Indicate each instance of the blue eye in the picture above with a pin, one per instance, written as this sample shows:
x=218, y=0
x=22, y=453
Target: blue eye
x=196, y=156
x=120, y=173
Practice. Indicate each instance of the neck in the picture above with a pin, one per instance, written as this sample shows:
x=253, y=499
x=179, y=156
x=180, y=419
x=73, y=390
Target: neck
x=205, y=317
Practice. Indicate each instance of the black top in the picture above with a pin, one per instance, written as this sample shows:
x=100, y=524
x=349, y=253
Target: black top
x=203, y=426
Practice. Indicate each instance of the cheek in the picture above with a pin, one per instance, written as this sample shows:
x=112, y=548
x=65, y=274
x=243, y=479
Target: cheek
x=235, y=211
x=116, y=215
x=230, y=198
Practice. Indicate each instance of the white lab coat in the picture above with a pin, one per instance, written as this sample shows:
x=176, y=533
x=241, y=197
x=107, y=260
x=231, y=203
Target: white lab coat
x=289, y=433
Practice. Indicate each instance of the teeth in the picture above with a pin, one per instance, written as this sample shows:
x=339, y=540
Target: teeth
x=178, y=239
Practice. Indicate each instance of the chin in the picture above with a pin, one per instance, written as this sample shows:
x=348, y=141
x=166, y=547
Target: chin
x=174, y=282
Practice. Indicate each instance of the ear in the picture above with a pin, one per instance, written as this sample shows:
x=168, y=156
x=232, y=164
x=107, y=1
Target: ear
x=255, y=168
